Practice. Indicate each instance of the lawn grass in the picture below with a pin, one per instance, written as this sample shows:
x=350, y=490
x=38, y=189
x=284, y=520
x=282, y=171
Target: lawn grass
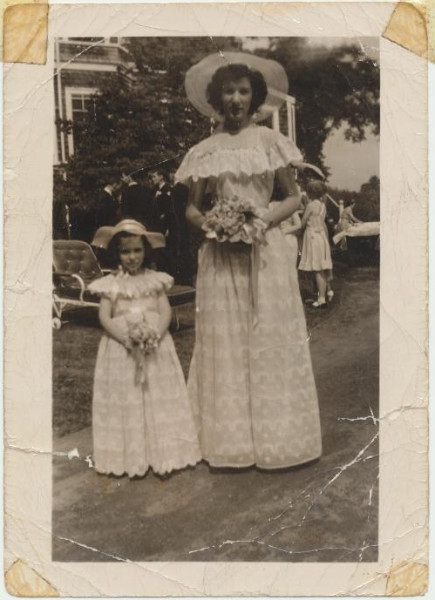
x=74, y=353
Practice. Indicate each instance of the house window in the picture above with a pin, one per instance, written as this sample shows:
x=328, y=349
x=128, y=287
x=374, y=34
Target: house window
x=79, y=102
x=80, y=106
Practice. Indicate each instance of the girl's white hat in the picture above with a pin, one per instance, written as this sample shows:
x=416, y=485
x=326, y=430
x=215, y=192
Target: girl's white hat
x=199, y=76
x=103, y=235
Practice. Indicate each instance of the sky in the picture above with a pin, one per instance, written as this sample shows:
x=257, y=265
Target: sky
x=351, y=164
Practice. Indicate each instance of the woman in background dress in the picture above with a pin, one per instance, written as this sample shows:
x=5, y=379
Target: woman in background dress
x=316, y=252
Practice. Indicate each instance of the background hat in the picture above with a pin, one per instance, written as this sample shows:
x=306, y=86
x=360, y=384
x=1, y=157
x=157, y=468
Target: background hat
x=103, y=235
x=199, y=76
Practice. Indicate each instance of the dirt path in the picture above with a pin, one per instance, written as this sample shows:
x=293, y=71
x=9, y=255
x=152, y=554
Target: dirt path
x=323, y=512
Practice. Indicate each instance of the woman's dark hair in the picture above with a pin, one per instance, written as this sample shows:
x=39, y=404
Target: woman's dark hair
x=113, y=247
x=235, y=73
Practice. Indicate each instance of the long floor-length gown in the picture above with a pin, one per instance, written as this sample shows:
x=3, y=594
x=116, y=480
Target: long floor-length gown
x=251, y=381
x=140, y=425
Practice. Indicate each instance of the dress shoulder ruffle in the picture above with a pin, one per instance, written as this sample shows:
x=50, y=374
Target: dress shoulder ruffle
x=123, y=285
x=254, y=151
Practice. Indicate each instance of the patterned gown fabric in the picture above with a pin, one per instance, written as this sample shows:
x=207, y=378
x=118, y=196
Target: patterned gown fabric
x=137, y=426
x=291, y=238
x=316, y=253
x=251, y=381
x=293, y=248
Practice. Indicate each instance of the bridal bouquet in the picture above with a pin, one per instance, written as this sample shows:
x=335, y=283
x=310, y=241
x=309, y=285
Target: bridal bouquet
x=141, y=340
x=235, y=220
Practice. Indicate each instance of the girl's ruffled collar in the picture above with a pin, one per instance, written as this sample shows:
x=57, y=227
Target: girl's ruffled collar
x=123, y=285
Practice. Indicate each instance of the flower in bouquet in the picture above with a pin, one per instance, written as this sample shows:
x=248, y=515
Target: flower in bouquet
x=141, y=340
x=235, y=220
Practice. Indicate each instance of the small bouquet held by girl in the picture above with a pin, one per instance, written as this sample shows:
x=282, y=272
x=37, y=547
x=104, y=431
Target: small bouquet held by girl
x=235, y=220
x=141, y=340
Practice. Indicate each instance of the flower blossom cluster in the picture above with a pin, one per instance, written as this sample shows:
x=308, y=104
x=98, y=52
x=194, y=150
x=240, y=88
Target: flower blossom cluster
x=235, y=220
x=140, y=341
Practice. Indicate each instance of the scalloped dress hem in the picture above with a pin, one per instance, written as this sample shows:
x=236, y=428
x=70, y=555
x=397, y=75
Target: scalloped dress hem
x=162, y=471
x=263, y=467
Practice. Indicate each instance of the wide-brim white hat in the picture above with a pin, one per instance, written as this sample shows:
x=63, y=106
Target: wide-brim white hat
x=103, y=235
x=199, y=76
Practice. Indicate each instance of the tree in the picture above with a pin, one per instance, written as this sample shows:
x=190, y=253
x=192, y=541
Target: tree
x=332, y=86
x=367, y=200
x=368, y=206
x=135, y=130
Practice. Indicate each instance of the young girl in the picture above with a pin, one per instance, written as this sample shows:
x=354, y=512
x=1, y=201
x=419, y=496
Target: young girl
x=316, y=253
x=141, y=415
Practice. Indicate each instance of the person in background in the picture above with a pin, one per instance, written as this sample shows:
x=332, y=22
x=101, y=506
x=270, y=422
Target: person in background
x=61, y=220
x=162, y=217
x=347, y=218
x=161, y=202
x=316, y=253
x=136, y=201
x=340, y=208
x=108, y=203
x=180, y=236
x=107, y=214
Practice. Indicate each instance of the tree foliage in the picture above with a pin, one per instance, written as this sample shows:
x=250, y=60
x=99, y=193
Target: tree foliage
x=332, y=86
x=135, y=130
x=367, y=200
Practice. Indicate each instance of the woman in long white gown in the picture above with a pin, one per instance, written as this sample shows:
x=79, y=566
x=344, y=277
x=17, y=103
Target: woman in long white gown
x=251, y=380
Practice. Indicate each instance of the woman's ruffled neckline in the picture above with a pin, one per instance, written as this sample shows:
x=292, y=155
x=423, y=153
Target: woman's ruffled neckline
x=253, y=151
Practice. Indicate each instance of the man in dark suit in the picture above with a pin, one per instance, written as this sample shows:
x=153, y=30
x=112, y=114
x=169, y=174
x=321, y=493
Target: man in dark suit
x=108, y=205
x=136, y=202
x=184, y=256
x=108, y=213
x=163, y=219
x=162, y=202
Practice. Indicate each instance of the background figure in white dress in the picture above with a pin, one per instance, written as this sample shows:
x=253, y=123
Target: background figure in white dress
x=251, y=380
x=316, y=252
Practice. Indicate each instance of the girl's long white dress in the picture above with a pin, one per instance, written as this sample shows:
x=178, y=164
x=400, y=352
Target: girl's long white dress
x=137, y=426
x=251, y=381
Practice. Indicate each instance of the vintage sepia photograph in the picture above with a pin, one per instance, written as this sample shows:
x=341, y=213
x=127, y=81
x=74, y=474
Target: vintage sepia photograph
x=215, y=308
x=216, y=367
